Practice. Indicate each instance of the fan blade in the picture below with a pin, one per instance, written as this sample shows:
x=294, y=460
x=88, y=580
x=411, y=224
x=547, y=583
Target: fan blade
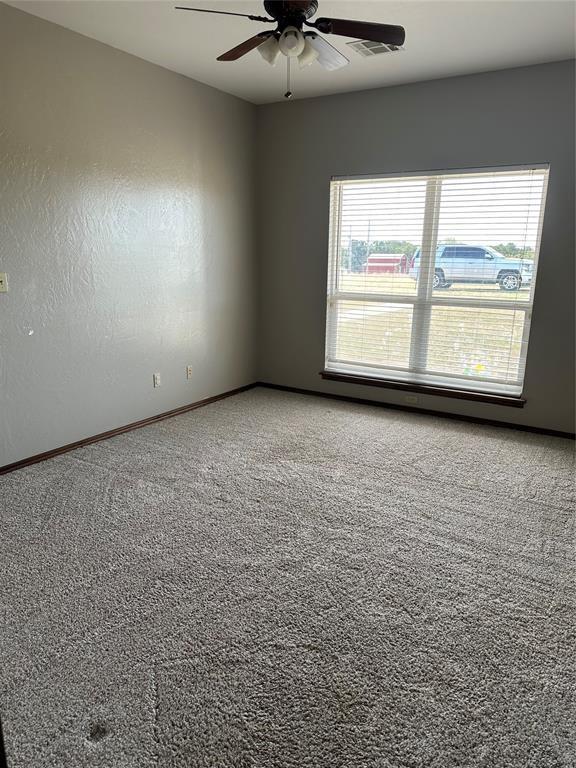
x=223, y=13
x=328, y=57
x=389, y=34
x=245, y=47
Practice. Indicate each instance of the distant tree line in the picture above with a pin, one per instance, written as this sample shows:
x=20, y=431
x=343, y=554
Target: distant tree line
x=355, y=256
x=514, y=251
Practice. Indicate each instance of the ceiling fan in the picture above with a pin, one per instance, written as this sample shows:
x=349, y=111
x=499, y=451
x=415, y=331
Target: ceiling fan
x=290, y=39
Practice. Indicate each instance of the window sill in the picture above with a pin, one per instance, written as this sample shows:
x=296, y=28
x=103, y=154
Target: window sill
x=426, y=389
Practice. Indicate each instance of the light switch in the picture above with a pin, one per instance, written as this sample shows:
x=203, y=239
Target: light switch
x=3, y=282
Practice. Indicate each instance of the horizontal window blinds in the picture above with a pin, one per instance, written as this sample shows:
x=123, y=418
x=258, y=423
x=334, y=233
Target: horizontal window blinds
x=431, y=277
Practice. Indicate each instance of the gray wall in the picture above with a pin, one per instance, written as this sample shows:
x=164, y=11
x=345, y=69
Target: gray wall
x=502, y=118
x=126, y=231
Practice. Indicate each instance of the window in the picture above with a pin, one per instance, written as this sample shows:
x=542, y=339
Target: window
x=464, y=253
x=448, y=304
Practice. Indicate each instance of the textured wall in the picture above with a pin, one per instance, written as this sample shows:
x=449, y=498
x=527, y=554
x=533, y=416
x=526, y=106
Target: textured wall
x=125, y=229
x=501, y=118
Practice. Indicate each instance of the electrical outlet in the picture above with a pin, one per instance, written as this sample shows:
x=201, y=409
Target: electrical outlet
x=156, y=379
x=411, y=399
x=3, y=282
x=188, y=371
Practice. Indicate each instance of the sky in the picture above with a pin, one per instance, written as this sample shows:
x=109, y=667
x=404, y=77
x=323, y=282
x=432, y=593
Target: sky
x=481, y=208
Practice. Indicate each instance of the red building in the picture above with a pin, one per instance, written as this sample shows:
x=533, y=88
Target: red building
x=386, y=262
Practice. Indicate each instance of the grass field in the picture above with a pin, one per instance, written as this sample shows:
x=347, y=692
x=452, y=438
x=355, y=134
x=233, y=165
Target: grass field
x=463, y=340
x=403, y=284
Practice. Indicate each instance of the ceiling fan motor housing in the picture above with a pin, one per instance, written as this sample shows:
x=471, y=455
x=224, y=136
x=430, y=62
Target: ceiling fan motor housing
x=291, y=13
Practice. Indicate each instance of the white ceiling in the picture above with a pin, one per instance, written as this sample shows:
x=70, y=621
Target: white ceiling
x=443, y=38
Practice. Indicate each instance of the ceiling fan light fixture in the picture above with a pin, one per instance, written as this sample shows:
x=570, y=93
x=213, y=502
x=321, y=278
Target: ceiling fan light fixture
x=270, y=50
x=291, y=42
x=289, y=39
x=309, y=54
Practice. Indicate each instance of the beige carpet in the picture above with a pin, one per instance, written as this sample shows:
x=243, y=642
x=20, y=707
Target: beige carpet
x=281, y=581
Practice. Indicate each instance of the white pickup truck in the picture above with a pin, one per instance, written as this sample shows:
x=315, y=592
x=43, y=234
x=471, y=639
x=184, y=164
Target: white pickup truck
x=475, y=264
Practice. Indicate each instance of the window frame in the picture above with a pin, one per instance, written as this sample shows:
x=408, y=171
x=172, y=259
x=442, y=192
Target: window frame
x=416, y=377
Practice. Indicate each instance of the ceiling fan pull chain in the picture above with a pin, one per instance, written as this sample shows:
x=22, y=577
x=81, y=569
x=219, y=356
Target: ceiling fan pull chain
x=288, y=94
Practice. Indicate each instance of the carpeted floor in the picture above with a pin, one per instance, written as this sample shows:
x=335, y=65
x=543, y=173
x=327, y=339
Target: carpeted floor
x=281, y=581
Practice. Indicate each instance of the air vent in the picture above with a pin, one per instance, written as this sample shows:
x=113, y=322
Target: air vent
x=369, y=48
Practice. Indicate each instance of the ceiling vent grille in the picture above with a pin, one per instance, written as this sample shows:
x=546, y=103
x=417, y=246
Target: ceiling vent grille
x=370, y=48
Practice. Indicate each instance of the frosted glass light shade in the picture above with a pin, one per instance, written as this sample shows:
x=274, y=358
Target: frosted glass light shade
x=309, y=54
x=291, y=42
x=270, y=50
